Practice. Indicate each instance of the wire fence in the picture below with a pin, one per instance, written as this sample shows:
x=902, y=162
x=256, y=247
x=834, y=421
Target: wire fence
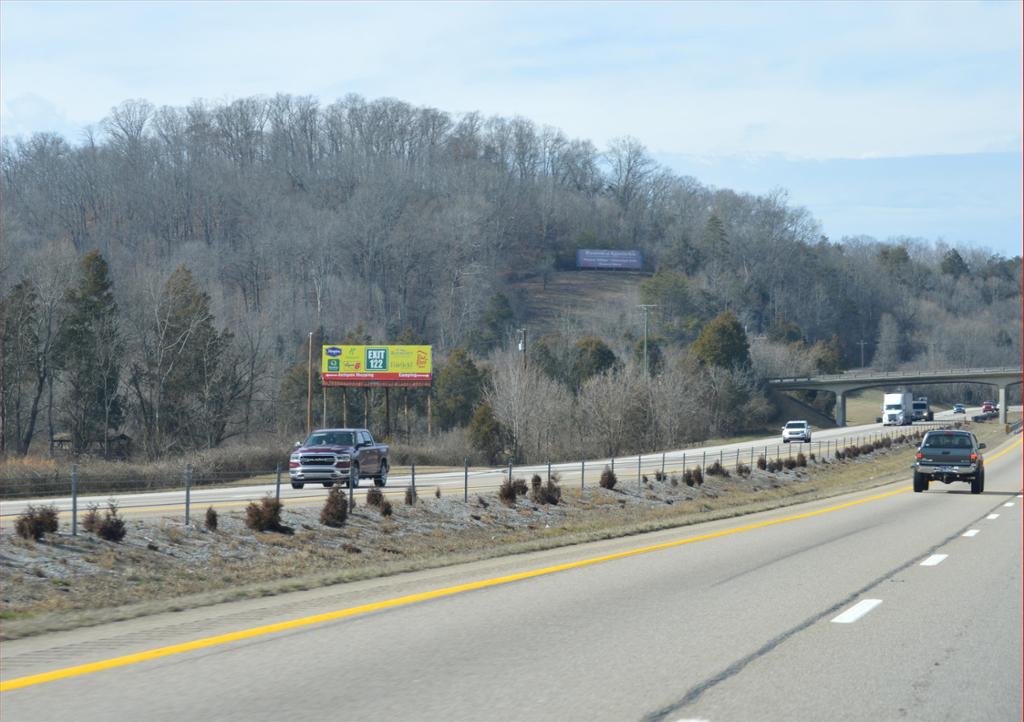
x=72, y=494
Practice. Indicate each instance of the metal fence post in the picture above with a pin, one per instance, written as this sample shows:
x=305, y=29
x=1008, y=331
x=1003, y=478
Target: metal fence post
x=639, y=483
x=351, y=491
x=414, y=481
x=613, y=464
x=703, y=461
x=277, y=484
x=74, y=500
x=188, y=492
x=549, y=471
x=465, y=479
x=510, y=472
x=663, y=463
x=583, y=474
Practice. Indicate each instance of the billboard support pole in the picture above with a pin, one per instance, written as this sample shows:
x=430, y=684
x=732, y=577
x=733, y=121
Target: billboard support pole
x=430, y=415
x=344, y=406
x=309, y=387
x=387, y=412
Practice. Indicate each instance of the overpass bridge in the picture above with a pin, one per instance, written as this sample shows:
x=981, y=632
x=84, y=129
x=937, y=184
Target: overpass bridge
x=842, y=384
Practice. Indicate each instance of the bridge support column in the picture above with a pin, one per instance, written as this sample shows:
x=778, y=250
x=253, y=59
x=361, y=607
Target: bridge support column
x=1002, y=404
x=840, y=412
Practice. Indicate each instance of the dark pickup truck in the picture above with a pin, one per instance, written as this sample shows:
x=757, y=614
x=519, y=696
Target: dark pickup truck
x=947, y=456
x=343, y=455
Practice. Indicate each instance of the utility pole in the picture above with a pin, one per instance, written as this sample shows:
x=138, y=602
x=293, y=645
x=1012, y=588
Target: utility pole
x=646, y=307
x=522, y=344
x=862, y=343
x=309, y=387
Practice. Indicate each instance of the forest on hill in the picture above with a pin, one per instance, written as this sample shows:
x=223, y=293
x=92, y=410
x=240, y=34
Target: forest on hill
x=160, y=276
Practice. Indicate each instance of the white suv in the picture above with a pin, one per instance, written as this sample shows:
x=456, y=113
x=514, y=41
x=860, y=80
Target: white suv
x=796, y=431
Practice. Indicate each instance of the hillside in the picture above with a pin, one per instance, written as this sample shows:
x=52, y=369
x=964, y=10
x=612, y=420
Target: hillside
x=571, y=303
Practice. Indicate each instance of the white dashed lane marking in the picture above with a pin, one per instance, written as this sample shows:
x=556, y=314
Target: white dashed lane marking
x=992, y=516
x=857, y=611
x=1009, y=503
x=934, y=560
x=971, y=532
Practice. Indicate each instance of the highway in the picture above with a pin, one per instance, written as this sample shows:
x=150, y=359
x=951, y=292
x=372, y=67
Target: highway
x=227, y=497
x=872, y=606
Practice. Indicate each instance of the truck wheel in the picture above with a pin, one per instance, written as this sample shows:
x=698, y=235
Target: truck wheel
x=353, y=475
x=328, y=484
x=920, y=482
x=978, y=482
x=297, y=485
x=382, y=478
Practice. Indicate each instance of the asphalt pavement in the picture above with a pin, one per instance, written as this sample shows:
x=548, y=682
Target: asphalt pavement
x=873, y=606
x=160, y=503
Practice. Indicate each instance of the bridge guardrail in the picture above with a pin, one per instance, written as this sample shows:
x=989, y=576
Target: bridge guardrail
x=870, y=375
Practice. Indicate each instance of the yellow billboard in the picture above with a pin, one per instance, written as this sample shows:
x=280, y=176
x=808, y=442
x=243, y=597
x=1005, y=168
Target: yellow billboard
x=376, y=365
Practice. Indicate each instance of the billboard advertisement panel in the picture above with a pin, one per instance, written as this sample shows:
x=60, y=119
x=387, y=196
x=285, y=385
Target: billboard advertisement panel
x=376, y=365
x=613, y=260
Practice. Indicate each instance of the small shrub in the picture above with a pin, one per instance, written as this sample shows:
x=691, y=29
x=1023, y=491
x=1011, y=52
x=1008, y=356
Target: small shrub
x=840, y=454
x=437, y=492
x=688, y=477
x=743, y=470
x=673, y=480
x=887, y=442
x=549, y=493
x=867, y=448
x=608, y=479
x=507, y=493
x=812, y=457
x=762, y=463
x=112, y=527
x=211, y=518
x=852, y=452
x=335, y=509
x=36, y=521
x=660, y=475
x=774, y=466
x=789, y=463
x=264, y=516
x=410, y=496
x=91, y=520
x=698, y=476
x=716, y=469
x=535, y=482
x=374, y=496
x=801, y=460
x=519, y=486
x=386, y=508
x=645, y=480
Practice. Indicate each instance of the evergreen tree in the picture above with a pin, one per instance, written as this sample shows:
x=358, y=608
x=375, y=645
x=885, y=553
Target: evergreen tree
x=89, y=355
x=486, y=433
x=497, y=321
x=723, y=342
x=457, y=388
x=953, y=264
x=592, y=356
x=189, y=384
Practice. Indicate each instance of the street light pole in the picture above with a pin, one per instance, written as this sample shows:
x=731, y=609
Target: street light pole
x=862, y=343
x=646, y=307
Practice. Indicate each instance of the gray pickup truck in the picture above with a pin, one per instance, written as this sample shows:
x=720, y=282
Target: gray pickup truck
x=338, y=455
x=947, y=456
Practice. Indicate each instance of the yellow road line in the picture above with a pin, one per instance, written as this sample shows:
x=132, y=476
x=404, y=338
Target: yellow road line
x=217, y=640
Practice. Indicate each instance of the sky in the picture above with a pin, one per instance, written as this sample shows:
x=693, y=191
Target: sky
x=884, y=119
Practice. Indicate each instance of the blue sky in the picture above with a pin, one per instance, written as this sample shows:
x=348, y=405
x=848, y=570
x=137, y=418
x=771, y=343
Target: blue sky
x=883, y=119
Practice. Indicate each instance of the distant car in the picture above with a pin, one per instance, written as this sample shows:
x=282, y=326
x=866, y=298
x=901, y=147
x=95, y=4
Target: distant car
x=796, y=431
x=959, y=409
x=988, y=408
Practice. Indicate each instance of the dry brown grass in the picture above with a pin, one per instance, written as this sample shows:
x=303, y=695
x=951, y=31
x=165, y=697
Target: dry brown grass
x=240, y=564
